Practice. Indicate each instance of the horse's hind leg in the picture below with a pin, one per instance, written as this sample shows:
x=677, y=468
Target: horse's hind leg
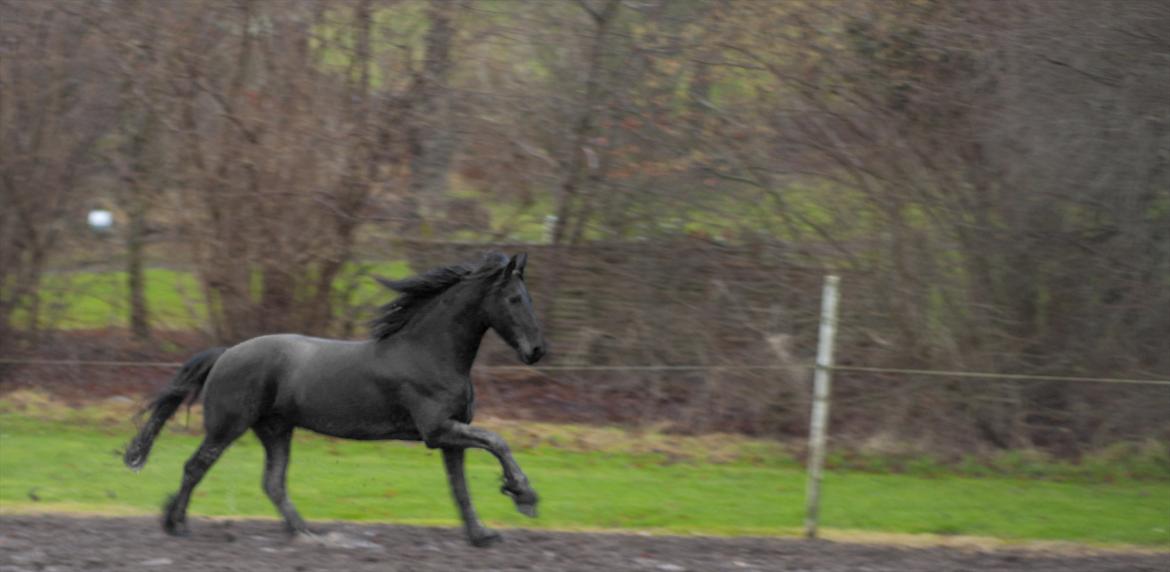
x=277, y=440
x=175, y=514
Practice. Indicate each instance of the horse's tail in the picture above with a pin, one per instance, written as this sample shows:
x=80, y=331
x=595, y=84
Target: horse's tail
x=186, y=385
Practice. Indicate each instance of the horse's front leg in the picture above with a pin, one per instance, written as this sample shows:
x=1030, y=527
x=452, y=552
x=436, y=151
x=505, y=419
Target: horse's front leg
x=453, y=434
x=477, y=533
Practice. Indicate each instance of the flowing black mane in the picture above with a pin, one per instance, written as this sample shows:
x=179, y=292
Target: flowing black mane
x=416, y=291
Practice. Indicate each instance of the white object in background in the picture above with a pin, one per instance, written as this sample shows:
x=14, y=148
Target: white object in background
x=550, y=225
x=100, y=219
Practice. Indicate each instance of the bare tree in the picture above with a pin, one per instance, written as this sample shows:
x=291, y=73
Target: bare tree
x=992, y=179
x=51, y=119
x=432, y=131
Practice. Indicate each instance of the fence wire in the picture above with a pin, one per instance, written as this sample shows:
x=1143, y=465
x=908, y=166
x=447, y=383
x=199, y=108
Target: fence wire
x=651, y=367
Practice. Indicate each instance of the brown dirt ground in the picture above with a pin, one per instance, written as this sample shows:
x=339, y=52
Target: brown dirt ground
x=63, y=543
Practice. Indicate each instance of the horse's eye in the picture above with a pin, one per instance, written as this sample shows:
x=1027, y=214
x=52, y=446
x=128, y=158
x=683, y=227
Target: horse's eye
x=514, y=299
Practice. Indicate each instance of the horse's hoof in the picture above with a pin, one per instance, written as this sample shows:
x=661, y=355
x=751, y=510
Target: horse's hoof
x=484, y=538
x=528, y=510
x=177, y=529
x=524, y=499
x=306, y=537
x=297, y=529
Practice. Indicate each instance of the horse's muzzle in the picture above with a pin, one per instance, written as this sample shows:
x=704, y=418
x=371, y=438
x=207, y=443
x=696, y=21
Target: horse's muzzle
x=533, y=355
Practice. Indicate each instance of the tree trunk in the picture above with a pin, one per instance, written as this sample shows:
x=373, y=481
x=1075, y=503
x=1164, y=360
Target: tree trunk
x=136, y=280
x=580, y=160
x=431, y=136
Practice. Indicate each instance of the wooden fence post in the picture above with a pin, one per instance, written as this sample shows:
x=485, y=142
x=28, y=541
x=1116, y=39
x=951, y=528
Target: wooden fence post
x=818, y=426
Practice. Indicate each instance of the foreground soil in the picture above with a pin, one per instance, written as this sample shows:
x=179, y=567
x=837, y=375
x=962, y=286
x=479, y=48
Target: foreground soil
x=60, y=543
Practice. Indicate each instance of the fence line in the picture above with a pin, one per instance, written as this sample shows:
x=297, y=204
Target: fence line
x=989, y=375
x=98, y=363
x=167, y=364
x=847, y=368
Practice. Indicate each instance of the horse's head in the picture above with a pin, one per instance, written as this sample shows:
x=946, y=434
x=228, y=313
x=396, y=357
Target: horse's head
x=509, y=310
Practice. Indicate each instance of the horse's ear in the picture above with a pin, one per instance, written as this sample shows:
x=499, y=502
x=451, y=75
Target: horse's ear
x=517, y=264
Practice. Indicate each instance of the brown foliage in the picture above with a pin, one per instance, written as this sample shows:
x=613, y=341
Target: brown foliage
x=990, y=178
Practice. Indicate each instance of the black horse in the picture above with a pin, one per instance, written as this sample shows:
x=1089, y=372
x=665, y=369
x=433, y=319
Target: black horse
x=410, y=382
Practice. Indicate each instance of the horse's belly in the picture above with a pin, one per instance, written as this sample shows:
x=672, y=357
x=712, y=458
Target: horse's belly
x=369, y=429
x=357, y=420
x=368, y=433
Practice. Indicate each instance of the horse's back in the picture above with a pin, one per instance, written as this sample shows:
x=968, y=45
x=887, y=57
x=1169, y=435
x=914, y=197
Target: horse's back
x=294, y=377
x=251, y=374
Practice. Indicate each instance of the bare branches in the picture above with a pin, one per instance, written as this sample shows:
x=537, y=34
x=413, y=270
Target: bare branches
x=993, y=179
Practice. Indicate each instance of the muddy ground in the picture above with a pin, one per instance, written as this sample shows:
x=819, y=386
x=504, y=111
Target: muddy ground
x=58, y=543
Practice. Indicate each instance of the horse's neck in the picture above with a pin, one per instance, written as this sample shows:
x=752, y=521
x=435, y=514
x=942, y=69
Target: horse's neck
x=454, y=327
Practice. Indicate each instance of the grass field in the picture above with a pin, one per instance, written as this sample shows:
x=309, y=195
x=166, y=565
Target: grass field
x=67, y=462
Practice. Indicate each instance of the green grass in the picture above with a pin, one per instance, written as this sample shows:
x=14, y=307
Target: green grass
x=74, y=300
x=74, y=465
